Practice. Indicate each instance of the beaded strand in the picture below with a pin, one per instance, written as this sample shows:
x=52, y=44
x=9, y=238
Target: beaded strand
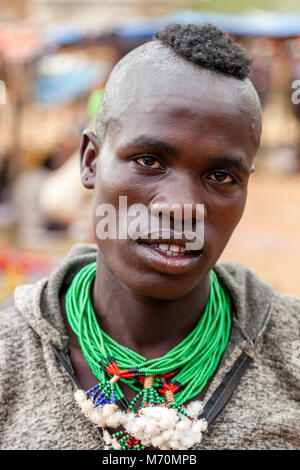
x=196, y=357
x=167, y=382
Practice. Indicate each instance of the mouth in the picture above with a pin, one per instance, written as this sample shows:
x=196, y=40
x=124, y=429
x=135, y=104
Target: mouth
x=174, y=250
x=167, y=257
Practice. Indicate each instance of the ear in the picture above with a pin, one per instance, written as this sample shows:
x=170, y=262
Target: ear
x=89, y=152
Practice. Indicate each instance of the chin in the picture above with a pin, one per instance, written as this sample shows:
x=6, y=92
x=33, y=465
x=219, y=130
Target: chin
x=133, y=274
x=161, y=286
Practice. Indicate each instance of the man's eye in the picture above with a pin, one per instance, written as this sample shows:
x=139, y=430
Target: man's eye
x=149, y=162
x=221, y=177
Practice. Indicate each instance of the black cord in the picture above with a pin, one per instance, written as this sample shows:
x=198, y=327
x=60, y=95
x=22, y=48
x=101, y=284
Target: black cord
x=123, y=402
x=67, y=367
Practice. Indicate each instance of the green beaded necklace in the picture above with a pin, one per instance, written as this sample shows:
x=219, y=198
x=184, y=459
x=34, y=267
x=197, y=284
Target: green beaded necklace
x=191, y=363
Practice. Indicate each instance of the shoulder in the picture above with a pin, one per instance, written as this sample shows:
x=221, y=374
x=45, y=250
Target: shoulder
x=11, y=322
x=261, y=311
x=19, y=343
x=284, y=325
x=247, y=284
x=285, y=302
x=282, y=339
x=240, y=275
x=15, y=327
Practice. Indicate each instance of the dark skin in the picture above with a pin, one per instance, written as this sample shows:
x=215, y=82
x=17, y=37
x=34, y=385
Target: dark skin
x=180, y=144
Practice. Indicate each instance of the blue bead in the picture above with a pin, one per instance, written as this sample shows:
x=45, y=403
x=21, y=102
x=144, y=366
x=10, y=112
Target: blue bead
x=95, y=395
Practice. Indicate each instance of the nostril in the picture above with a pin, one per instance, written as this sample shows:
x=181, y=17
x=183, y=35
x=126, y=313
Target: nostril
x=160, y=208
x=178, y=210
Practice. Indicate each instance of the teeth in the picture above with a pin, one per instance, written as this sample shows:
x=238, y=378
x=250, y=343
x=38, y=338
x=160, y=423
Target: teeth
x=172, y=250
x=164, y=247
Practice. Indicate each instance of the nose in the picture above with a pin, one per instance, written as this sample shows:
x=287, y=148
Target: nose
x=180, y=199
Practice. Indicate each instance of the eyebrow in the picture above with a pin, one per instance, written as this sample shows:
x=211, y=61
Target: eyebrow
x=146, y=142
x=235, y=162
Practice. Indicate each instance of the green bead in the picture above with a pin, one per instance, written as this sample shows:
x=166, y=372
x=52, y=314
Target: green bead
x=195, y=359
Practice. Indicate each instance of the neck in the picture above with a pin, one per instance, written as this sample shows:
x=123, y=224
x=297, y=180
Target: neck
x=149, y=326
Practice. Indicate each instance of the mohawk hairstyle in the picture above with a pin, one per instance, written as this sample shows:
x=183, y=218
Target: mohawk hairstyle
x=208, y=46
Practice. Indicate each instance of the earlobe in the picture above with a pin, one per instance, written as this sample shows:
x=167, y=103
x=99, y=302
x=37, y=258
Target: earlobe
x=89, y=152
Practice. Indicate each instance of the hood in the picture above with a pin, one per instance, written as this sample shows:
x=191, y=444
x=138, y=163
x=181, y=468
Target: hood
x=38, y=303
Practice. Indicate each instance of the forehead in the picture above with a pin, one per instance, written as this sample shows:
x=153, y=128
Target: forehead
x=161, y=95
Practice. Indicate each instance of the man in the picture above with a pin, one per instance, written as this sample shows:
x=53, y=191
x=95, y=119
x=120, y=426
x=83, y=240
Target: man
x=179, y=123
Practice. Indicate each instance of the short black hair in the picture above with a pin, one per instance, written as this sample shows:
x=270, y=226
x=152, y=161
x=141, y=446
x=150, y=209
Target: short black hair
x=208, y=46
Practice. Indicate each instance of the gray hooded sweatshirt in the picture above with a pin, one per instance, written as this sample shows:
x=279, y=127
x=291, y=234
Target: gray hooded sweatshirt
x=38, y=410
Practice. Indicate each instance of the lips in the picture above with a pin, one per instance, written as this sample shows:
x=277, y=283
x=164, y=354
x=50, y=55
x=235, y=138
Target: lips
x=168, y=256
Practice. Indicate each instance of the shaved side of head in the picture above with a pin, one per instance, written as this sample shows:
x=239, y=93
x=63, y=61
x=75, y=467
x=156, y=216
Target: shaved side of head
x=153, y=66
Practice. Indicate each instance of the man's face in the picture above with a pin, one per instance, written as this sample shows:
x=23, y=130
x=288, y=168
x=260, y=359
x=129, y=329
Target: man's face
x=189, y=139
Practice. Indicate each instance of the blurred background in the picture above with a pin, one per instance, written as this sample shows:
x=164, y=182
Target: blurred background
x=55, y=57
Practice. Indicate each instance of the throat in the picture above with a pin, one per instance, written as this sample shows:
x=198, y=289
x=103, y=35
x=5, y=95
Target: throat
x=150, y=327
x=150, y=339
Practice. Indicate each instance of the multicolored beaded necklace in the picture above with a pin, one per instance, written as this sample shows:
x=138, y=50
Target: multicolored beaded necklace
x=162, y=384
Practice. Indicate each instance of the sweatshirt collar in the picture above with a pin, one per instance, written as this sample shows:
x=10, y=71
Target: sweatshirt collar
x=251, y=300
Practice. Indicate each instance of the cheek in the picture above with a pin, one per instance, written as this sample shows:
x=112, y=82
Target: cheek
x=112, y=184
x=116, y=180
x=223, y=218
